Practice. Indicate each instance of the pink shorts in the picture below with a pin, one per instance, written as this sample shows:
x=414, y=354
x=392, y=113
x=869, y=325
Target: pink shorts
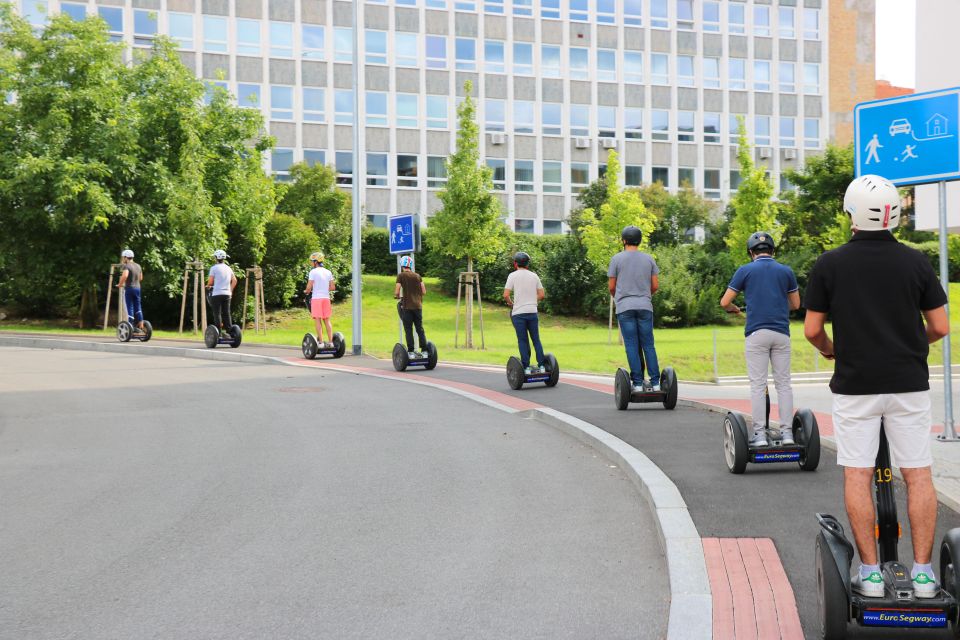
x=320, y=308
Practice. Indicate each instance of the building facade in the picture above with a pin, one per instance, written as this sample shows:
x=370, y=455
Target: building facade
x=558, y=83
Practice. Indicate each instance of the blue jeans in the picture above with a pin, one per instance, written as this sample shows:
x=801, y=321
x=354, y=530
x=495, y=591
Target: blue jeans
x=525, y=323
x=132, y=299
x=637, y=329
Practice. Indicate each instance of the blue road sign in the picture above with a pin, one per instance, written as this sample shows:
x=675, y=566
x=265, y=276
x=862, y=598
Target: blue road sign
x=909, y=139
x=402, y=233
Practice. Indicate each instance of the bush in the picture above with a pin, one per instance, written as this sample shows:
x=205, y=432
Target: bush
x=290, y=241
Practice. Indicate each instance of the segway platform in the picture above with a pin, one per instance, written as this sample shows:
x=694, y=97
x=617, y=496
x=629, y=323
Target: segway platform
x=126, y=331
x=623, y=393
x=738, y=451
x=311, y=347
x=212, y=336
x=427, y=358
x=517, y=377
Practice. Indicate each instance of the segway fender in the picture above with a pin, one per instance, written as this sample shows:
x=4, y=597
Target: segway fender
x=841, y=550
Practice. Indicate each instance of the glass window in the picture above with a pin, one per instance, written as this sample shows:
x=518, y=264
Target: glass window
x=523, y=7
x=633, y=67
x=281, y=39
x=633, y=12
x=436, y=52
x=786, y=22
x=493, y=56
x=684, y=14
x=493, y=6
x=407, y=171
x=405, y=49
x=811, y=24
x=344, y=166
x=523, y=175
x=248, y=37
x=281, y=159
x=735, y=179
x=144, y=27
x=550, y=64
x=314, y=105
x=377, y=169
x=711, y=16
x=686, y=126
x=407, y=111
x=180, y=26
x=711, y=184
x=660, y=68
x=113, y=16
x=436, y=112
x=734, y=122
x=633, y=175
x=314, y=42
x=281, y=103
x=786, y=73
x=523, y=116
x=579, y=120
x=735, y=17
x=375, y=46
x=76, y=11
x=376, y=108
x=785, y=184
x=660, y=121
x=579, y=63
x=711, y=127
x=711, y=73
x=659, y=18
x=550, y=9
x=761, y=75
x=579, y=176
x=436, y=172
x=811, y=133
x=606, y=11
x=761, y=20
x=35, y=11
x=811, y=77
x=607, y=122
x=607, y=65
x=466, y=52
x=343, y=44
x=550, y=113
x=314, y=157
x=685, y=71
x=523, y=58
x=633, y=123
x=661, y=175
x=788, y=132
x=377, y=220
x=343, y=106
x=552, y=177
x=437, y=4
x=523, y=226
x=465, y=5
x=578, y=10
x=211, y=88
x=737, y=72
x=552, y=227
x=686, y=177
x=761, y=131
x=498, y=168
x=494, y=115
x=248, y=95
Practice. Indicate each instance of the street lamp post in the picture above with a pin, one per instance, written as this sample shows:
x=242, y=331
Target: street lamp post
x=357, y=282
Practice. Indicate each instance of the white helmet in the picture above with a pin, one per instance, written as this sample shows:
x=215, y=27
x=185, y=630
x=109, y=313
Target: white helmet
x=220, y=254
x=873, y=204
x=127, y=253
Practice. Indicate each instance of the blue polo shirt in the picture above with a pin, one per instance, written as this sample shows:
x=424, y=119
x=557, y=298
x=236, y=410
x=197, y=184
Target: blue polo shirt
x=765, y=284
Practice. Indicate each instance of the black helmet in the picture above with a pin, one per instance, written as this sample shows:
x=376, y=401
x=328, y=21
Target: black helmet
x=761, y=241
x=632, y=235
x=521, y=258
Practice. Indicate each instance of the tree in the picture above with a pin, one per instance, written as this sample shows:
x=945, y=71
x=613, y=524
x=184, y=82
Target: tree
x=468, y=225
x=676, y=214
x=285, y=266
x=816, y=207
x=752, y=207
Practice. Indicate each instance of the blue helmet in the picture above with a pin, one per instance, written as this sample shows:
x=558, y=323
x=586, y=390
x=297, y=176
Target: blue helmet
x=406, y=262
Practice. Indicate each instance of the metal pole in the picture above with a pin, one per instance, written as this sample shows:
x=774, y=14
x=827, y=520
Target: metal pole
x=399, y=321
x=716, y=370
x=949, y=432
x=357, y=281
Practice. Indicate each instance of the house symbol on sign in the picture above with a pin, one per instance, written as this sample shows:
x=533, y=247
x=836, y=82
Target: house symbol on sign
x=936, y=125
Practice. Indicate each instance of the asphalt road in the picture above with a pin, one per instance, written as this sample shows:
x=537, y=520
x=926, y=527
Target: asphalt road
x=174, y=498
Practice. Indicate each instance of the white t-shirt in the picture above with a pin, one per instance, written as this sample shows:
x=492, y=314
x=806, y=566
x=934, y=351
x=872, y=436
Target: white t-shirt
x=321, y=278
x=524, y=284
x=222, y=275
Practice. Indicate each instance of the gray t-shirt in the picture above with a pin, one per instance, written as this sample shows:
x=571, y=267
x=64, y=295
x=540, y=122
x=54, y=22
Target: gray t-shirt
x=134, y=275
x=633, y=270
x=524, y=284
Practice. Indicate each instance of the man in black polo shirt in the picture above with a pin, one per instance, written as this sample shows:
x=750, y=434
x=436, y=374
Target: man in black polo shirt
x=878, y=293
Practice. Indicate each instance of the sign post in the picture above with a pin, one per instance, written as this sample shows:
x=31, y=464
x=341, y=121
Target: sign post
x=915, y=139
x=404, y=232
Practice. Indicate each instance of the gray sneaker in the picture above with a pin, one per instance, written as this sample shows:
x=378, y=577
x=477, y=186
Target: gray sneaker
x=786, y=435
x=759, y=438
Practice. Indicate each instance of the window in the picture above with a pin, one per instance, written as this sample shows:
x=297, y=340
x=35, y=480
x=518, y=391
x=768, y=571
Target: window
x=633, y=12
x=788, y=132
x=785, y=184
x=437, y=4
x=761, y=75
x=436, y=52
x=407, y=171
x=343, y=44
x=633, y=123
x=35, y=11
x=313, y=157
x=711, y=184
x=113, y=16
x=343, y=106
x=523, y=58
x=633, y=175
x=711, y=127
x=579, y=176
x=607, y=65
x=281, y=103
x=211, y=88
x=344, y=166
x=376, y=108
x=493, y=6
x=493, y=56
x=711, y=16
x=607, y=122
x=735, y=18
x=661, y=175
x=606, y=11
x=684, y=14
x=523, y=175
x=466, y=53
x=144, y=27
x=633, y=66
x=658, y=14
x=281, y=39
x=280, y=160
x=660, y=68
x=180, y=26
x=494, y=115
x=248, y=37
x=811, y=133
x=737, y=72
x=660, y=124
x=523, y=226
x=550, y=64
x=811, y=24
x=686, y=177
x=523, y=7
x=436, y=172
x=314, y=42
x=552, y=227
x=786, y=21
x=314, y=105
x=523, y=116
x=686, y=126
x=436, y=112
x=465, y=5
x=787, y=73
x=407, y=111
x=761, y=20
x=811, y=77
x=248, y=95
x=734, y=122
x=552, y=177
x=76, y=11
x=499, y=169
x=375, y=46
x=735, y=179
x=550, y=9
x=579, y=120
x=685, y=71
x=405, y=49
x=377, y=220
x=761, y=131
x=377, y=169
x=578, y=10
x=579, y=63
x=550, y=115
x=711, y=72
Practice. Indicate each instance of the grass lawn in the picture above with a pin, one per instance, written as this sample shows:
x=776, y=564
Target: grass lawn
x=580, y=345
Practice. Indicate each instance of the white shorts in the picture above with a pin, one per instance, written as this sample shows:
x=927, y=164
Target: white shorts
x=906, y=421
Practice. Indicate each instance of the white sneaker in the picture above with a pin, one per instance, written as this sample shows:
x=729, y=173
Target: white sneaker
x=870, y=587
x=759, y=438
x=412, y=354
x=528, y=371
x=639, y=388
x=925, y=586
x=655, y=387
x=786, y=435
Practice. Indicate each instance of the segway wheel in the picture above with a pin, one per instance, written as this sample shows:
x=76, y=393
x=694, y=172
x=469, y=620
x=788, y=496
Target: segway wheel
x=949, y=568
x=668, y=383
x=147, y=331
x=237, y=334
x=309, y=346
x=211, y=336
x=832, y=598
x=339, y=344
x=431, y=356
x=124, y=331
x=554, y=368
x=622, y=389
x=735, y=450
x=400, y=357
x=515, y=375
x=807, y=434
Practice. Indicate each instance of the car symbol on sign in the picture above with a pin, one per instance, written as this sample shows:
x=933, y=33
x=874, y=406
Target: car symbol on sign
x=901, y=125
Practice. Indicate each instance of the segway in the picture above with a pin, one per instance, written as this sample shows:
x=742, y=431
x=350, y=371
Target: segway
x=738, y=451
x=899, y=606
x=213, y=336
x=517, y=376
x=127, y=330
x=426, y=358
x=311, y=347
x=623, y=393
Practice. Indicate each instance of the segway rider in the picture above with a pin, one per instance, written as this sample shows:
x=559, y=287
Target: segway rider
x=771, y=292
x=130, y=279
x=221, y=283
x=632, y=282
x=527, y=291
x=878, y=293
x=410, y=291
x=320, y=284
